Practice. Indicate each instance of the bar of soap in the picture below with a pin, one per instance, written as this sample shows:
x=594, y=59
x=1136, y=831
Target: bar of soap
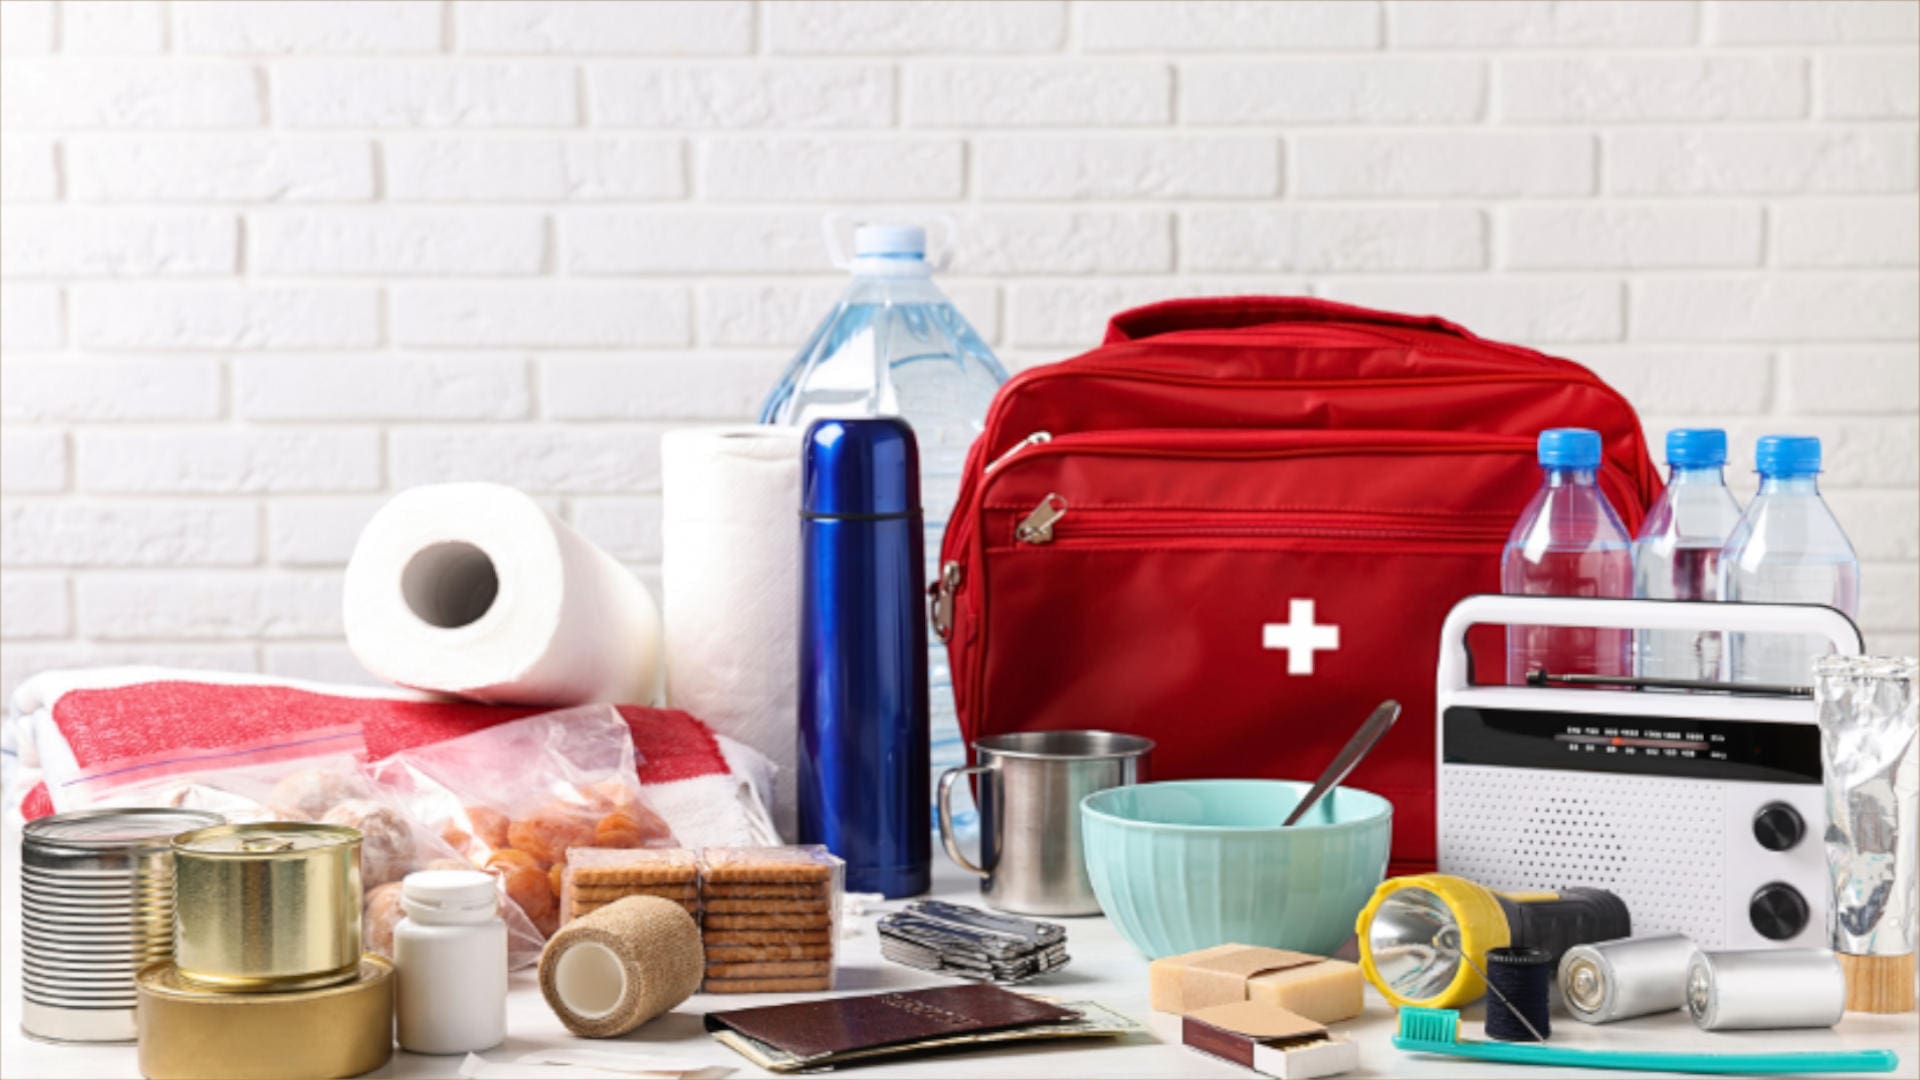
x=1191, y=981
x=1315, y=987
x=1326, y=992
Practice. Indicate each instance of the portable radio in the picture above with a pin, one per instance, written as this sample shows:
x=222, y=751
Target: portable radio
x=1702, y=810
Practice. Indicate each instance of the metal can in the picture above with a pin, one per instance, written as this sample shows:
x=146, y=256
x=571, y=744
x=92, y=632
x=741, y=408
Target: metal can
x=272, y=906
x=1615, y=980
x=1766, y=988
x=96, y=905
x=190, y=1032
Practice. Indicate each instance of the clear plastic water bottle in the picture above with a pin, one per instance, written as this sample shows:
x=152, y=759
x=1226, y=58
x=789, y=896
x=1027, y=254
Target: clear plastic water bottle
x=1568, y=542
x=1787, y=549
x=895, y=346
x=1677, y=554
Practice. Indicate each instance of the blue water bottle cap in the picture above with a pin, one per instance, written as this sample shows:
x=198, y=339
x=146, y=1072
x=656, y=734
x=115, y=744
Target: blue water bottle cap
x=1570, y=448
x=1787, y=455
x=1696, y=448
x=860, y=468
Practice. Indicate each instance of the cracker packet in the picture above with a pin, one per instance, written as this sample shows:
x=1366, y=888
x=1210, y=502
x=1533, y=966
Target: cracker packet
x=596, y=877
x=770, y=918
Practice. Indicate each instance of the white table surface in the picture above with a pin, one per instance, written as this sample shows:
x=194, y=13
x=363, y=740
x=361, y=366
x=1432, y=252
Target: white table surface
x=1104, y=969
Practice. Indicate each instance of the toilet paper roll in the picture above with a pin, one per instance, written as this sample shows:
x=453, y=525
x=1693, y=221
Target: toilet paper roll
x=609, y=971
x=476, y=590
x=730, y=567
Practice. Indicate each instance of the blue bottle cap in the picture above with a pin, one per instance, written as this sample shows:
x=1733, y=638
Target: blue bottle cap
x=1696, y=448
x=860, y=468
x=1570, y=448
x=1787, y=455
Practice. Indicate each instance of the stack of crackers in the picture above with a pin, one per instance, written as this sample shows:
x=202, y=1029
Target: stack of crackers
x=768, y=918
x=767, y=914
x=596, y=877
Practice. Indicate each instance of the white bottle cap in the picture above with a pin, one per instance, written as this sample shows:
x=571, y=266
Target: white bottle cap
x=890, y=240
x=456, y=894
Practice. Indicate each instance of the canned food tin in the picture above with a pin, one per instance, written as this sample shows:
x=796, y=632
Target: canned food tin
x=271, y=906
x=96, y=905
x=189, y=1031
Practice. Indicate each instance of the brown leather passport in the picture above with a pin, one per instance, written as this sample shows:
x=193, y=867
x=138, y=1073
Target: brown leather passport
x=810, y=1029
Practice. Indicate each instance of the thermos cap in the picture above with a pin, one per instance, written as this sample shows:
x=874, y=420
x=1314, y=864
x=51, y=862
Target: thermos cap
x=860, y=468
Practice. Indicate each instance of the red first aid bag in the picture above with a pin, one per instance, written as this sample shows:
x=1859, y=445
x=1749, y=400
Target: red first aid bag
x=1236, y=526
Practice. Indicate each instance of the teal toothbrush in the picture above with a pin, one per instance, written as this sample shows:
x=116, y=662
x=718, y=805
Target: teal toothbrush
x=1437, y=1031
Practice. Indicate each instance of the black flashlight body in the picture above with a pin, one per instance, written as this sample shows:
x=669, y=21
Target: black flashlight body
x=1558, y=921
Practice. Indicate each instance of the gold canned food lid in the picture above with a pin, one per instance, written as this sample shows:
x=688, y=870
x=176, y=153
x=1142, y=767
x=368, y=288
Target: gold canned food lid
x=265, y=840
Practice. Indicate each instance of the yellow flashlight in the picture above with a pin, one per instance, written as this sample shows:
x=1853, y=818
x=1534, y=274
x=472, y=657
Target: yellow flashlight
x=1424, y=938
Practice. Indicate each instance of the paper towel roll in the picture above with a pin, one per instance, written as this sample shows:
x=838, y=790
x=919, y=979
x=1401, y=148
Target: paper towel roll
x=475, y=590
x=730, y=567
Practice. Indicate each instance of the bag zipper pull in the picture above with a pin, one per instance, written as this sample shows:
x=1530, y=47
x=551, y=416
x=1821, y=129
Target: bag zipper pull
x=1034, y=439
x=940, y=593
x=1038, y=526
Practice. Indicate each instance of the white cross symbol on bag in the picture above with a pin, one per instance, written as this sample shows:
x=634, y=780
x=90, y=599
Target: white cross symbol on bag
x=1300, y=636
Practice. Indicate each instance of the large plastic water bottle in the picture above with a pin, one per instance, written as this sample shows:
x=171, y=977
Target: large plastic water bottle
x=1787, y=549
x=895, y=346
x=1568, y=542
x=1677, y=554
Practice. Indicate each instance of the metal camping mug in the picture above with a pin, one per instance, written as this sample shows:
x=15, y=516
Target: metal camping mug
x=1031, y=784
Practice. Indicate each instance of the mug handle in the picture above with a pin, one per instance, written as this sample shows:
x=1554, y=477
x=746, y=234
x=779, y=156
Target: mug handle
x=946, y=816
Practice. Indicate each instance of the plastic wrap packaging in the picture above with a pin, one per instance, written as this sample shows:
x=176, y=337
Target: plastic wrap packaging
x=596, y=877
x=517, y=797
x=334, y=790
x=476, y=590
x=770, y=918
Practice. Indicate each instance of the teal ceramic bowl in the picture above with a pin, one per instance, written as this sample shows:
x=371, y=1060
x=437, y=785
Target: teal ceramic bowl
x=1189, y=864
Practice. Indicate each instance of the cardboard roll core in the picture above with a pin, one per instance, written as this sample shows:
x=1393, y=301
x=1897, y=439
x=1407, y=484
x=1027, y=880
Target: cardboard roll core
x=188, y=1032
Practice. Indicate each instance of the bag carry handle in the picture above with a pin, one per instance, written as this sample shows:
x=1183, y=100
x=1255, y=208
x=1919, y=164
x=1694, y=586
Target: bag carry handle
x=1234, y=312
x=1587, y=612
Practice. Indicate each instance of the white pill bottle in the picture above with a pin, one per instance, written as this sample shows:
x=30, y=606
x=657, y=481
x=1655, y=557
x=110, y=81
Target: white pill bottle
x=450, y=963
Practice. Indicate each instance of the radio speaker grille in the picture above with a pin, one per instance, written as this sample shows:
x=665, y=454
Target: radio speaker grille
x=1657, y=843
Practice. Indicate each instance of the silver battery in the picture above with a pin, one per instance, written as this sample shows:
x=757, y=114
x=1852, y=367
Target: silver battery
x=96, y=905
x=1615, y=980
x=1766, y=988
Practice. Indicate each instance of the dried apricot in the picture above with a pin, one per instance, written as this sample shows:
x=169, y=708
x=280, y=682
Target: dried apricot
x=636, y=826
x=549, y=831
x=507, y=860
x=527, y=888
x=488, y=825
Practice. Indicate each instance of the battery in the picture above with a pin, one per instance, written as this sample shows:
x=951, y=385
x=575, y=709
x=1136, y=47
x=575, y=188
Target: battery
x=1766, y=988
x=96, y=905
x=1627, y=977
x=270, y=906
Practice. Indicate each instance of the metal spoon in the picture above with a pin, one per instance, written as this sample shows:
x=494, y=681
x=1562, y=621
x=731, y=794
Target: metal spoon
x=1357, y=747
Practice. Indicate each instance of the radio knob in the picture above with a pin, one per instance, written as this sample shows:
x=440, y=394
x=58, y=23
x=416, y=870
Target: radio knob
x=1778, y=826
x=1778, y=911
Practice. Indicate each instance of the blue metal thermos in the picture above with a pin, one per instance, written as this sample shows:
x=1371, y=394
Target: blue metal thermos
x=863, y=654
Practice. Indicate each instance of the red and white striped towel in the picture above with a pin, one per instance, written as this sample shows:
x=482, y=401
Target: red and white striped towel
x=83, y=734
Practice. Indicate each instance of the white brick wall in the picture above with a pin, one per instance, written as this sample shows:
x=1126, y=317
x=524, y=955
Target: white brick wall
x=266, y=261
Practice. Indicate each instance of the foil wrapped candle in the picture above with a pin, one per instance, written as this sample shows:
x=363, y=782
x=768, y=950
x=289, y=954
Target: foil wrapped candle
x=1870, y=759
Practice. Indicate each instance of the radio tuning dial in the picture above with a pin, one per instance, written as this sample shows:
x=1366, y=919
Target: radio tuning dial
x=1778, y=911
x=1778, y=826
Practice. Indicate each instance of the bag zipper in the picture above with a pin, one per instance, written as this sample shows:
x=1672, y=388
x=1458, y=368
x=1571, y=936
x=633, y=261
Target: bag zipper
x=1556, y=369
x=1040, y=526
